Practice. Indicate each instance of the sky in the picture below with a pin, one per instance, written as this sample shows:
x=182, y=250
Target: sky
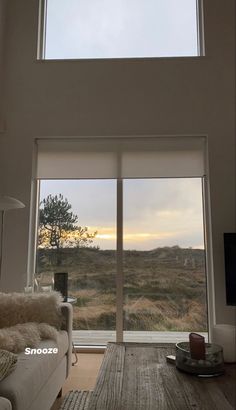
x=157, y=212
x=120, y=28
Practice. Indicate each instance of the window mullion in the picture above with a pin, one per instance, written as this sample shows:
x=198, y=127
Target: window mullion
x=119, y=261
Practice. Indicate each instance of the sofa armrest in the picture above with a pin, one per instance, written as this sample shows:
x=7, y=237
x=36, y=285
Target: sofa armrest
x=5, y=404
x=67, y=312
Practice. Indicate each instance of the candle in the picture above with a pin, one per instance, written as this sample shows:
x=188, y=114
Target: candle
x=225, y=336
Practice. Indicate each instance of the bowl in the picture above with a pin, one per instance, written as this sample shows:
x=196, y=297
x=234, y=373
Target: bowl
x=212, y=365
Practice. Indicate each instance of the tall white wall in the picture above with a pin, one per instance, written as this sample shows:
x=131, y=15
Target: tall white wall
x=178, y=96
x=2, y=65
x=3, y=17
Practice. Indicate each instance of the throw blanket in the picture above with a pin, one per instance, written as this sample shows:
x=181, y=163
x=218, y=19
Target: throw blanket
x=37, y=307
x=7, y=363
x=17, y=338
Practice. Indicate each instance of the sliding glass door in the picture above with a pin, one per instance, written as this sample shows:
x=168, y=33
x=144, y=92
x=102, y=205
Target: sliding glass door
x=86, y=251
x=134, y=253
x=163, y=259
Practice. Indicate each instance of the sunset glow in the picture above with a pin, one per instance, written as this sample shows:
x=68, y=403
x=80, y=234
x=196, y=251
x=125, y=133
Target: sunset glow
x=109, y=234
x=157, y=212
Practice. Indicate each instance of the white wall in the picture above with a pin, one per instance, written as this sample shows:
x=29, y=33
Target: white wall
x=3, y=4
x=180, y=96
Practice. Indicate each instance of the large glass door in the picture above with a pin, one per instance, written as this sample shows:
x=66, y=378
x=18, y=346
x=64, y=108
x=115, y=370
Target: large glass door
x=134, y=253
x=163, y=259
x=86, y=251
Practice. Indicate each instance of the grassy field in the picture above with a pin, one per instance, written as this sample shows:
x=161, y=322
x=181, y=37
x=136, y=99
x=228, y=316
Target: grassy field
x=164, y=289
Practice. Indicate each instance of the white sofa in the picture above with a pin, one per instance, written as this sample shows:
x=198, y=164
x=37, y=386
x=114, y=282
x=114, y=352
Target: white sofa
x=37, y=379
x=5, y=404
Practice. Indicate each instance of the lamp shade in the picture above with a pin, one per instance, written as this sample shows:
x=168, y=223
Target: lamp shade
x=7, y=203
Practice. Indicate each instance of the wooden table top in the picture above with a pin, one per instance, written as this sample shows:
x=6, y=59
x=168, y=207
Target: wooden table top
x=136, y=376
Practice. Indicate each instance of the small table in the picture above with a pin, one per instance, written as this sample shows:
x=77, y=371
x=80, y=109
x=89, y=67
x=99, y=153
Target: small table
x=136, y=376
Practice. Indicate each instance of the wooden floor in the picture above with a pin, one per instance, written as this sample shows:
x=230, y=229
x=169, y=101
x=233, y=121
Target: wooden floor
x=102, y=337
x=82, y=376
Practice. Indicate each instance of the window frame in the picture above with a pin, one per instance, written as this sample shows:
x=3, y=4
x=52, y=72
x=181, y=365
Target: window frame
x=35, y=194
x=119, y=275
x=42, y=25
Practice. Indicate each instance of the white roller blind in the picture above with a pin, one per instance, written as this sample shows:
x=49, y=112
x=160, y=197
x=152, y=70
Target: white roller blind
x=137, y=157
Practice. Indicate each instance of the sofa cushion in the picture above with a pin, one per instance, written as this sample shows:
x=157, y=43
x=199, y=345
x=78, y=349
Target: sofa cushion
x=32, y=371
x=16, y=338
x=18, y=308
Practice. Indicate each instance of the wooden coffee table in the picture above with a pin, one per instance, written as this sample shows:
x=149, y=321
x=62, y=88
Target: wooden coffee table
x=137, y=377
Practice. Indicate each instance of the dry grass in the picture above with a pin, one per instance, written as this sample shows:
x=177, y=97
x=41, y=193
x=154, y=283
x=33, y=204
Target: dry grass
x=164, y=289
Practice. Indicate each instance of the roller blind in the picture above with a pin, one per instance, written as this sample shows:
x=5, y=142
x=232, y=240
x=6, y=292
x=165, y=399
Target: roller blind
x=136, y=157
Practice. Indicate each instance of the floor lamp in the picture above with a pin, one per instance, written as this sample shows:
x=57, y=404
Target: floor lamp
x=6, y=204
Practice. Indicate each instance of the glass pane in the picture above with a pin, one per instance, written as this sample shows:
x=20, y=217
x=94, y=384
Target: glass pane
x=86, y=250
x=121, y=28
x=164, y=260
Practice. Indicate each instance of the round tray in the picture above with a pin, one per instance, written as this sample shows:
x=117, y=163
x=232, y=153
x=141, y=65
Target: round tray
x=212, y=365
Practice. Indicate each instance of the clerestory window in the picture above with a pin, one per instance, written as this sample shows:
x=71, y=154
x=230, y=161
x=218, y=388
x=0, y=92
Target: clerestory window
x=96, y=29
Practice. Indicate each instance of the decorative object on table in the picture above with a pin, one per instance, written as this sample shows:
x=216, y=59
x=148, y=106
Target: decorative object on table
x=77, y=400
x=197, y=346
x=6, y=204
x=213, y=365
x=170, y=358
x=61, y=284
x=225, y=335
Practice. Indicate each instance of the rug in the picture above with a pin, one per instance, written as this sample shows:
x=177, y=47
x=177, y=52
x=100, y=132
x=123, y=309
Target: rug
x=76, y=400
